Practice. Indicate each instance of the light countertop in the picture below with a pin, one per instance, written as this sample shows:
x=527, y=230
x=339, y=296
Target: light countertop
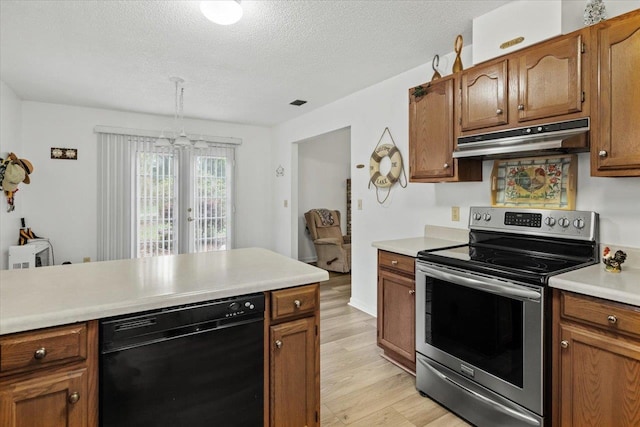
x=435, y=237
x=595, y=281
x=57, y=295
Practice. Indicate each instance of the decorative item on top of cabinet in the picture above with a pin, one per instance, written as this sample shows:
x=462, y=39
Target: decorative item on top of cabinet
x=432, y=135
x=434, y=65
x=457, y=47
x=595, y=362
x=615, y=145
x=396, y=309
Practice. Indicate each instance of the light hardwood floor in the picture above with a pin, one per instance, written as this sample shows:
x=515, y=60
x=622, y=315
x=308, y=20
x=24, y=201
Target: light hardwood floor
x=359, y=388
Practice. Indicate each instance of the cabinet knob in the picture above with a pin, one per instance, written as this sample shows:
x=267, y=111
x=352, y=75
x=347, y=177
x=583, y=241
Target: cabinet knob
x=564, y=343
x=412, y=291
x=499, y=111
x=603, y=153
x=297, y=303
x=612, y=319
x=394, y=262
x=446, y=166
x=40, y=353
x=74, y=397
x=278, y=343
x=520, y=107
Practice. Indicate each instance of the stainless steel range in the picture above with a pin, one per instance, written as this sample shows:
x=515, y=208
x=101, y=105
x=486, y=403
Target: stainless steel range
x=483, y=312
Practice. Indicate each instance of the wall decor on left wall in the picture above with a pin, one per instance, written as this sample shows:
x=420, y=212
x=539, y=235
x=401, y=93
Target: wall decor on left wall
x=64, y=153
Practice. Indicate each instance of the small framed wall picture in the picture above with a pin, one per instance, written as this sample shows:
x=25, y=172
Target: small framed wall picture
x=64, y=153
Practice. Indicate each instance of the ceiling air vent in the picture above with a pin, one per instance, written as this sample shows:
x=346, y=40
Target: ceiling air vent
x=298, y=102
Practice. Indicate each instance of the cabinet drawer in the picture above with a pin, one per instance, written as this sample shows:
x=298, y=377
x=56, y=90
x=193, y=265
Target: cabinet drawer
x=293, y=302
x=401, y=263
x=32, y=350
x=609, y=315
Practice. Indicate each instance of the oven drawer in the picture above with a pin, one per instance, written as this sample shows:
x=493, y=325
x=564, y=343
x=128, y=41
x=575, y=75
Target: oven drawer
x=293, y=302
x=611, y=316
x=397, y=262
x=34, y=350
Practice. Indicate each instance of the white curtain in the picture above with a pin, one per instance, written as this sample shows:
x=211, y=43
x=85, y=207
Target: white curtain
x=118, y=195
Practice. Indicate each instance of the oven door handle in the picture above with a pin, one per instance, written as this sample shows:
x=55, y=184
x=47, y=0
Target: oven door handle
x=502, y=408
x=485, y=284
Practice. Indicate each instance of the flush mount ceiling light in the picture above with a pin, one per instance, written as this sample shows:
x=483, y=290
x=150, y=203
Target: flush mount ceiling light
x=223, y=12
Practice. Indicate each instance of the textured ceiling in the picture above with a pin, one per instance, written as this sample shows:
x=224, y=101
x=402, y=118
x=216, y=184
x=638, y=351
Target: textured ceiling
x=120, y=54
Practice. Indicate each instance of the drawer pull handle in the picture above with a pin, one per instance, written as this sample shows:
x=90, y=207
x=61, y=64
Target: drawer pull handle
x=394, y=262
x=412, y=292
x=74, y=397
x=278, y=343
x=520, y=107
x=564, y=343
x=40, y=353
x=612, y=319
x=603, y=153
x=297, y=303
x=499, y=111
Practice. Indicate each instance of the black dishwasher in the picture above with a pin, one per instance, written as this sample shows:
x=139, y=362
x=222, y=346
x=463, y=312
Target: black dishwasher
x=192, y=365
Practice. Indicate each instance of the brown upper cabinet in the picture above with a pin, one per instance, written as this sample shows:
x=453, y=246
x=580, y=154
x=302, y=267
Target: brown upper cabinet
x=484, y=95
x=547, y=80
x=615, y=134
x=432, y=135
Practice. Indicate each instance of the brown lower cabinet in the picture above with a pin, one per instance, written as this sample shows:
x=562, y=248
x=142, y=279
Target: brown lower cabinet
x=292, y=331
x=49, y=377
x=596, y=362
x=396, y=308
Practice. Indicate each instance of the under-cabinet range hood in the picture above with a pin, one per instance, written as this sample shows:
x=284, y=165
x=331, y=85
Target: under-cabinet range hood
x=541, y=139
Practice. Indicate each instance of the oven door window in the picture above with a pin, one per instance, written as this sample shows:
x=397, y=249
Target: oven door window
x=480, y=328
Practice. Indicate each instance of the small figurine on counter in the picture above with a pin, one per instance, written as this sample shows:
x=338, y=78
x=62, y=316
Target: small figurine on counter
x=613, y=264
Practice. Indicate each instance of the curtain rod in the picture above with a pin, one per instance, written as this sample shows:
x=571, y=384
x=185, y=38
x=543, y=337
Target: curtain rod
x=156, y=134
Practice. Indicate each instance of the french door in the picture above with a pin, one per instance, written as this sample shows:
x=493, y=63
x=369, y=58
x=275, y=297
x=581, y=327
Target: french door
x=183, y=201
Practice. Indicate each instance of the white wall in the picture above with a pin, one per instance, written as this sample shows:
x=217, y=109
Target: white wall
x=323, y=168
x=10, y=141
x=61, y=201
x=368, y=112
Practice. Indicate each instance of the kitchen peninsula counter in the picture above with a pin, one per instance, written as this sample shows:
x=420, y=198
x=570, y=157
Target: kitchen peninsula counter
x=58, y=295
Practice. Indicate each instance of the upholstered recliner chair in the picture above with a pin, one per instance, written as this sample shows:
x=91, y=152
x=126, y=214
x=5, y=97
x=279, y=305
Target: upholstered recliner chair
x=333, y=249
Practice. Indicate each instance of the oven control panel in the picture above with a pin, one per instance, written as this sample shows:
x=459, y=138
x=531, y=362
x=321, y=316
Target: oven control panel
x=581, y=225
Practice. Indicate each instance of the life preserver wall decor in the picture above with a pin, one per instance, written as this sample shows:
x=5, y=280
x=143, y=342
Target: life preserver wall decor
x=396, y=170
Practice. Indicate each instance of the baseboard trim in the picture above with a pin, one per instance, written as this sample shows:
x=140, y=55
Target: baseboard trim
x=363, y=307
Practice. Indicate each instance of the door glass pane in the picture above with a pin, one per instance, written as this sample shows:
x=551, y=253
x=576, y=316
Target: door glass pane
x=155, y=204
x=483, y=329
x=210, y=219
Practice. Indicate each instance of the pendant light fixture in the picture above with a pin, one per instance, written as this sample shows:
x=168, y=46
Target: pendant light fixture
x=222, y=12
x=180, y=140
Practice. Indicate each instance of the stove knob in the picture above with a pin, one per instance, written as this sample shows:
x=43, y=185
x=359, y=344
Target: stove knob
x=564, y=222
x=234, y=306
x=487, y=217
x=477, y=216
x=578, y=223
x=550, y=221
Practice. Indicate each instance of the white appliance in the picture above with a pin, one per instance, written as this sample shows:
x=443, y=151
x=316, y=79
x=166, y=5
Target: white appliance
x=33, y=254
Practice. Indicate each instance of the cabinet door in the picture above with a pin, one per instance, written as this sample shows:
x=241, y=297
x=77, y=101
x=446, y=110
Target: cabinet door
x=397, y=315
x=615, y=149
x=484, y=96
x=431, y=131
x=47, y=400
x=550, y=80
x=294, y=374
x=599, y=378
